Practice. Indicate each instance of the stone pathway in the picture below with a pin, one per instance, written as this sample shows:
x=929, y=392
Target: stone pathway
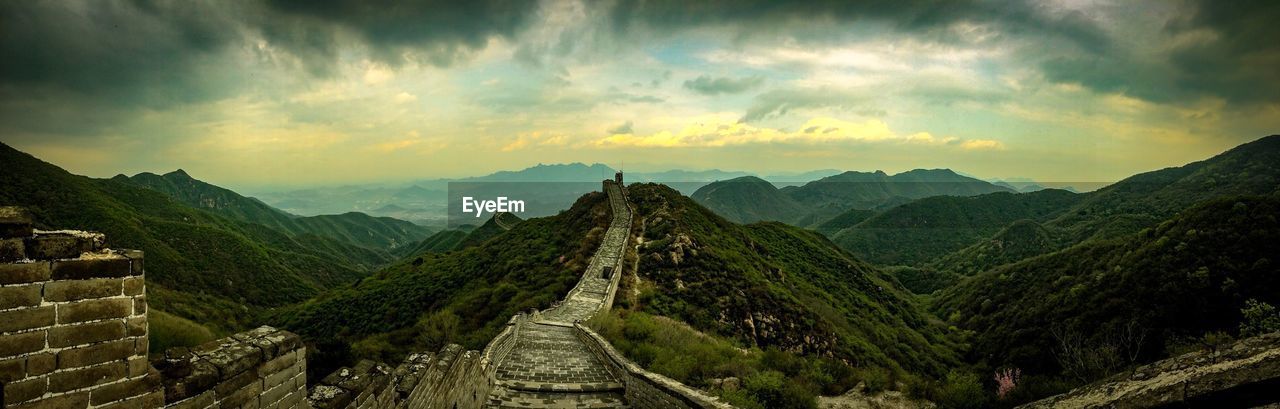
x=549, y=367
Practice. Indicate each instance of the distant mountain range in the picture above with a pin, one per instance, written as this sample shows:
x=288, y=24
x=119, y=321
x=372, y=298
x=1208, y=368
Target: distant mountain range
x=379, y=233
x=750, y=199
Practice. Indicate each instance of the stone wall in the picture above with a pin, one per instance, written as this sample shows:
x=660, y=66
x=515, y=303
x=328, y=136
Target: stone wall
x=645, y=389
x=73, y=326
x=450, y=378
x=73, y=334
x=1244, y=374
x=261, y=368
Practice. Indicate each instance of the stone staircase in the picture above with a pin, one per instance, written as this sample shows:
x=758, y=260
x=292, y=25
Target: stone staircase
x=549, y=366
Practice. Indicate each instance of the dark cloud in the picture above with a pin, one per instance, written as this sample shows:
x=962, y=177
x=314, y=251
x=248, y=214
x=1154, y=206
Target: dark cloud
x=1014, y=17
x=127, y=53
x=437, y=31
x=624, y=129
x=780, y=102
x=706, y=85
x=1239, y=63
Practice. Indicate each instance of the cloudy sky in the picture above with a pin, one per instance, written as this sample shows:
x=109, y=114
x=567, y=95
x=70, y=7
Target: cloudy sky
x=296, y=92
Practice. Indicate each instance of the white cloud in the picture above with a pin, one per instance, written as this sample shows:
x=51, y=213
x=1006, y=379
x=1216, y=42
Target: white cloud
x=721, y=130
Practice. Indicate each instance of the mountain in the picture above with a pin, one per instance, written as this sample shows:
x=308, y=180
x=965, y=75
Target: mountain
x=209, y=268
x=1145, y=199
x=569, y=172
x=871, y=190
x=923, y=230
x=378, y=233
x=748, y=199
x=771, y=285
x=1019, y=240
x=441, y=242
x=1139, y=293
x=789, y=178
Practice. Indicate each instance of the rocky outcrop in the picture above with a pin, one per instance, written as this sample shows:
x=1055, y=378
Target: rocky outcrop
x=1245, y=374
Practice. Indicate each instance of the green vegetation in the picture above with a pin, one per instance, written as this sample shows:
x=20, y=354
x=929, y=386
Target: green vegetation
x=923, y=280
x=463, y=296
x=748, y=199
x=207, y=268
x=767, y=378
x=923, y=230
x=441, y=242
x=165, y=330
x=1190, y=275
x=877, y=190
x=1019, y=240
x=769, y=285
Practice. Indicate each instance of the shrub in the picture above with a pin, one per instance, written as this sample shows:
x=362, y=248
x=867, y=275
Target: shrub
x=1259, y=318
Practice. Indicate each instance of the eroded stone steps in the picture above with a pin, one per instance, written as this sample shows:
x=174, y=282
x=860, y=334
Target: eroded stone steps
x=509, y=399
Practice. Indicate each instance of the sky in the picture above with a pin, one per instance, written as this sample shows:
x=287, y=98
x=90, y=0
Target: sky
x=302, y=93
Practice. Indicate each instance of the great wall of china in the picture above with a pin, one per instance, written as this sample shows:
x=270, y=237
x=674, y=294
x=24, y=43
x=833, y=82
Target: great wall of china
x=73, y=334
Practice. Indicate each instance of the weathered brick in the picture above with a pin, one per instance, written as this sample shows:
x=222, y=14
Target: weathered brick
x=134, y=286
x=16, y=344
x=285, y=340
x=244, y=396
x=26, y=318
x=69, y=401
x=85, y=268
x=75, y=290
x=276, y=393
x=135, y=261
x=235, y=358
x=270, y=380
x=12, y=250
x=19, y=296
x=292, y=400
x=90, y=310
x=42, y=363
x=21, y=273
x=57, y=246
x=72, y=335
x=137, y=326
x=139, y=305
x=200, y=401
x=126, y=389
x=138, y=366
x=198, y=376
x=15, y=222
x=81, y=378
x=155, y=399
x=95, y=354
x=25, y=390
x=13, y=369
x=142, y=346
x=277, y=364
x=234, y=383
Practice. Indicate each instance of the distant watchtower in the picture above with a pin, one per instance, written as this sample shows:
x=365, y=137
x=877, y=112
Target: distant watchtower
x=617, y=177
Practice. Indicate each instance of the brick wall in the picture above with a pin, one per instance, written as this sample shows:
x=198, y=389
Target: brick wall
x=261, y=368
x=73, y=325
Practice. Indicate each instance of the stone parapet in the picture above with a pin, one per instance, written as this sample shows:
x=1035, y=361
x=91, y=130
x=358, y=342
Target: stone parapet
x=263, y=367
x=1244, y=374
x=73, y=323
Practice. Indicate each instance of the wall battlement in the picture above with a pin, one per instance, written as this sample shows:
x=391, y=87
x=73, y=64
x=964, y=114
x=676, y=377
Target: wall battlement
x=73, y=335
x=73, y=323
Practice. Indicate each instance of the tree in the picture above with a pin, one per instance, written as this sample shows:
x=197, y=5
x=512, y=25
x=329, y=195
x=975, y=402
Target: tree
x=1259, y=318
